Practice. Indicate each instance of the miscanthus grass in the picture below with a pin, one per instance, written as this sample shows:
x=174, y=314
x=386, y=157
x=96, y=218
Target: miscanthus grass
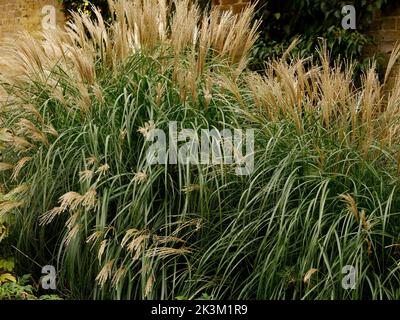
x=323, y=194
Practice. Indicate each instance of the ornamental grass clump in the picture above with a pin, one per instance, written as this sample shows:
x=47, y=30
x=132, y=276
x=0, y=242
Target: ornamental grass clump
x=82, y=104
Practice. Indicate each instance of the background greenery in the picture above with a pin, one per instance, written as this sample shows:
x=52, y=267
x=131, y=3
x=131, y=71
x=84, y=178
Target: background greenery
x=312, y=20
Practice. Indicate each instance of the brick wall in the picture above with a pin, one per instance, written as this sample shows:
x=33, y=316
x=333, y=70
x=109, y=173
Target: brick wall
x=17, y=15
x=385, y=30
x=234, y=5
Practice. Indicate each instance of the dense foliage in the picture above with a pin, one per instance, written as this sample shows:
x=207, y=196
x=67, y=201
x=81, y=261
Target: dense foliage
x=313, y=20
x=85, y=6
x=12, y=286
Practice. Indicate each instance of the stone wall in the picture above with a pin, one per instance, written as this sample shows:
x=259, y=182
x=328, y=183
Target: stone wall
x=17, y=15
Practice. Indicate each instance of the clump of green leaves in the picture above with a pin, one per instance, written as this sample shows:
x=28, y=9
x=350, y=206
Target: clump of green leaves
x=85, y=6
x=13, y=287
x=18, y=288
x=284, y=20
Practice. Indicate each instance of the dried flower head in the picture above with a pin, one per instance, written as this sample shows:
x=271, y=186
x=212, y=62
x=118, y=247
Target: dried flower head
x=70, y=201
x=89, y=199
x=86, y=175
x=19, y=166
x=146, y=130
x=103, y=168
x=91, y=160
x=118, y=275
x=50, y=215
x=140, y=177
x=105, y=273
x=309, y=273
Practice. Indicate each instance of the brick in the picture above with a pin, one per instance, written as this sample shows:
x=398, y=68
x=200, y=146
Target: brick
x=385, y=47
x=387, y=35
x=237, y=8
x=227, y=2
x=391, y=81
x=370, y=50
x=389, y=23
x=224, y=7
x=376, y=25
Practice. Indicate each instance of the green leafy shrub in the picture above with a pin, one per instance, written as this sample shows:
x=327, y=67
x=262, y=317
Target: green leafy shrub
x=18, y=288
x=282, y=21
x=13, y=287
x=85, y=6
x=21, y=289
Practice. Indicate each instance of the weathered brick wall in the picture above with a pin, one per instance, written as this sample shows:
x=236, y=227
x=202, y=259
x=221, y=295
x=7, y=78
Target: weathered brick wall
x=234, y=5
x=17, y=15
x=385, y=30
